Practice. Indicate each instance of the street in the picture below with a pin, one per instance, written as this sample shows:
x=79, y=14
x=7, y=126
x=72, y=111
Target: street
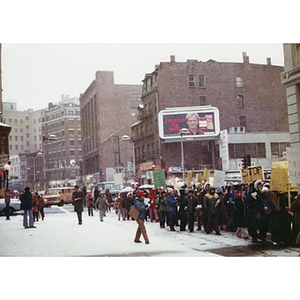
x=59, y=235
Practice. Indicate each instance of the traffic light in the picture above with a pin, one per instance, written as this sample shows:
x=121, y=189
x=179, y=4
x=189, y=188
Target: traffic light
x=244, y=162
x=248, y=160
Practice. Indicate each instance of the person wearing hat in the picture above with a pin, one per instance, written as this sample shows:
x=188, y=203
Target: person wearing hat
x=101, y=204
x=141, y=206
x=78, y=197
x=256, y=212
x=211, y=204
x=26, y=205
x=190, y=208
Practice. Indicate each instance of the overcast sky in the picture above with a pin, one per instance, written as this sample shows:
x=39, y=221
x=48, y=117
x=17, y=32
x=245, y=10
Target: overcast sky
x=35, y=74
x=47, y=51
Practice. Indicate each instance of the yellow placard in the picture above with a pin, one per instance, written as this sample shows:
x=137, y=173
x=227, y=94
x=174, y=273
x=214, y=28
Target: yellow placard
x=292, y=187
x=280, y=164
x=199, y=177
x=279, y=179
x=206, y=174
x=189, y=178
x=251, y=174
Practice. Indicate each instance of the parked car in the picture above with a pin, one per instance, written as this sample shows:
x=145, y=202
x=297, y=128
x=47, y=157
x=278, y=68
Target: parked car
x=14, y=206
x=58, y=196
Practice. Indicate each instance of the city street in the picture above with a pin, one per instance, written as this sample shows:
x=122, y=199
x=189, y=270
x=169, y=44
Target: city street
x=59, y=235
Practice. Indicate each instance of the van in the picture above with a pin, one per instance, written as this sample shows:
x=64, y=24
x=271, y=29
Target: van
x=58, y=196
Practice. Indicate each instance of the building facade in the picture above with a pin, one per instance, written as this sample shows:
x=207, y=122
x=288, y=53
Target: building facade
x=107, y=112
x=251, y=103
x=63, y=153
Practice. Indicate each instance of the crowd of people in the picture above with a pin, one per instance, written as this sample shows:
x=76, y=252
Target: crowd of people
x=251, y=211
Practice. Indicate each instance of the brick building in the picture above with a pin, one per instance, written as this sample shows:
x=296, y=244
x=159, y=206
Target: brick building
x=63, y=154
x=107, y=112
x=250, y=99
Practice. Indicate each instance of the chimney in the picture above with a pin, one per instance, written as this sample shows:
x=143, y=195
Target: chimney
x=172, y=57
x=269, y=61
x=245, y=58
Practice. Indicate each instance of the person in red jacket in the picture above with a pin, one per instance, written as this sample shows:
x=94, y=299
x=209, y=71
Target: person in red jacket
x=152, y=208
x=35, y=207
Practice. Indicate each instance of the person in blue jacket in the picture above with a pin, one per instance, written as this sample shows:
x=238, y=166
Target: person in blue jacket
x=141, y=206
x=171, y=208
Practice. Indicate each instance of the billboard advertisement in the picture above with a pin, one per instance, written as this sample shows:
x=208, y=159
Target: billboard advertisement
x=201, y=123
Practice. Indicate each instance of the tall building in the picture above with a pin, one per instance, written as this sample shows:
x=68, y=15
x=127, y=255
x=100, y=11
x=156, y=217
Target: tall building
x=61, y=136
x=252, y=108
x=107, y=112
x=26, y=134
x=291, y=81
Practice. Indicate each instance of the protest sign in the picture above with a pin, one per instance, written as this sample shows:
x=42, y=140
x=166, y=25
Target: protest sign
x=159, y=178
x=251, y=174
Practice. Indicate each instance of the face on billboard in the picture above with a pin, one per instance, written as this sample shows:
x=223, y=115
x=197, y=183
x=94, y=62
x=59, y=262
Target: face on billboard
x=199, y=123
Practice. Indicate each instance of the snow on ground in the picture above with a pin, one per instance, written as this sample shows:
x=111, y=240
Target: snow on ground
x=60, y=236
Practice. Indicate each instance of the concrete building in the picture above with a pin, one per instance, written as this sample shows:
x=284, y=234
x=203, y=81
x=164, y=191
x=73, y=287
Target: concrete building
x=107, y=112
x=64, y=153
x=25, y=136
x=252, y=108
x=291, y=81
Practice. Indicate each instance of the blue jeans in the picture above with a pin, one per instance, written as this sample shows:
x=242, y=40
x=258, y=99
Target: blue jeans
x=101, y=214
x=25, y=219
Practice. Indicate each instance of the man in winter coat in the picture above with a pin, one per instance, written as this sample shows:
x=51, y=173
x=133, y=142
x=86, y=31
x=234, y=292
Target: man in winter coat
x=211, y=205
x=256, y=212
x=78, y=198
x=171, y=208
x=26, y=205
x=273, y=208
x=41, y=205
x=201, y=200
x=101, y=204
x=141, y=206
x=162, y=208
x=182, y=215
x=190, y=208
x=152, y=208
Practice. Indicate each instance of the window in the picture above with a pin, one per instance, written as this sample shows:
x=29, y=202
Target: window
x=240, y=101
x=201, y=81
x=202, y=100
x=72, y=152
x=71, y=121
x=72, y=142
x=191, y=81
x=136, y=97
x=243, y=121
x=134, y=111
x=239, y=81
x=149, y=84
x=277, y=149
x=255, y=150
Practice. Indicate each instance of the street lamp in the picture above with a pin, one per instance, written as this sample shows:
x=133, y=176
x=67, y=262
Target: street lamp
x=51, y=137
x=182, y=132
x=39, y=154
x=124, y=139
x=7, y=190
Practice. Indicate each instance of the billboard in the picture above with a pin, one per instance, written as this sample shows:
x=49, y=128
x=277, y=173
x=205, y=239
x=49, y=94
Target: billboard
x=201, y=122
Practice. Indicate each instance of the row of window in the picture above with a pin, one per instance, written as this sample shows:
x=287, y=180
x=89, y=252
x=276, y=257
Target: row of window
x=239, y=101
x=146, y=152
x=59, y=144
x=201, y=81
x=256, y=150
x=63, y=153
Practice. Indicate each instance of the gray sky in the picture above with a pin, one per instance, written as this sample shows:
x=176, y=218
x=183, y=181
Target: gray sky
x=35, y=74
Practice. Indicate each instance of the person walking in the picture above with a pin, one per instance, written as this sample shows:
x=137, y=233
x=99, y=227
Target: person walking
x=141, y=206
x=78, y=198
x=90, y=203
x=211, y=204
x=35, y=210
x=41, y=206
x=190, y=208
x=26, y=205
x=129, y=201
x=101, y=204
x=229, y=199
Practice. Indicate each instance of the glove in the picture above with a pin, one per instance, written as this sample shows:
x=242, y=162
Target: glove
x=218, y=202
x=185, y=208
x=253, y=195
x=199, y=206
